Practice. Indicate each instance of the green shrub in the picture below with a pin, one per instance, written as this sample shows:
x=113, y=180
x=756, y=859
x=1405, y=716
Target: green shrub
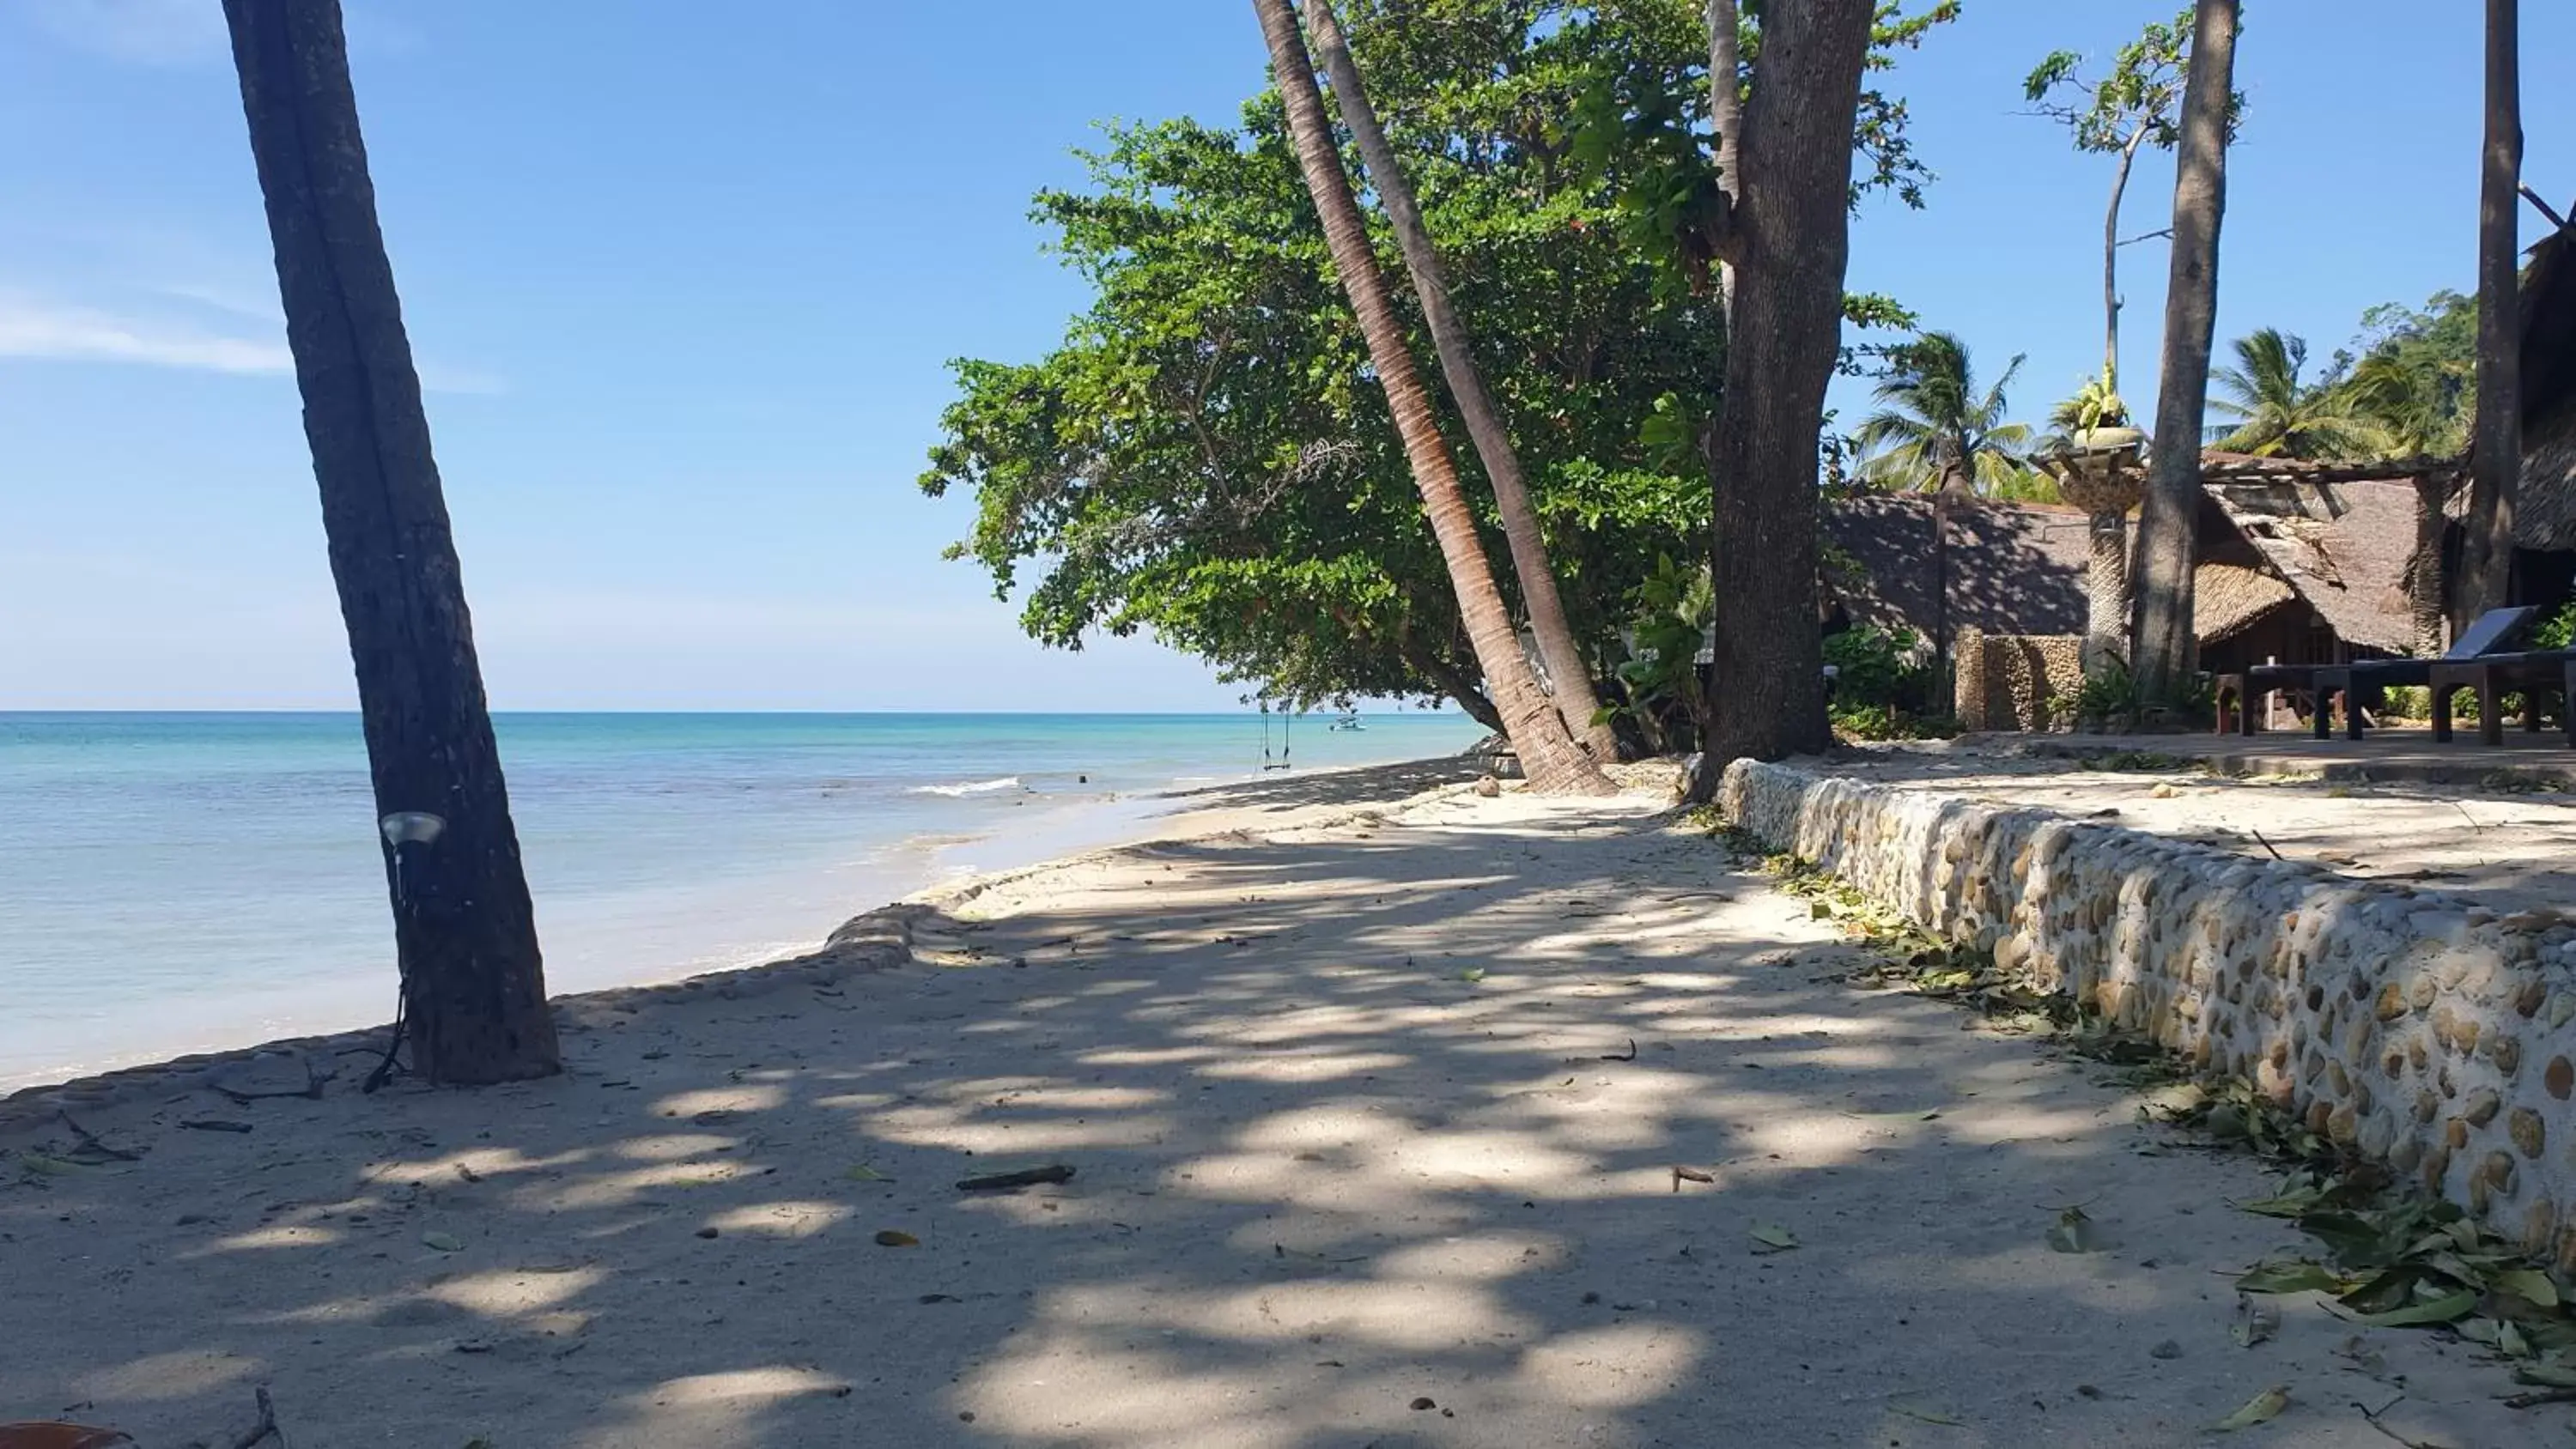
x=2407, y=701
x=2558, y=631
x=1873, y=666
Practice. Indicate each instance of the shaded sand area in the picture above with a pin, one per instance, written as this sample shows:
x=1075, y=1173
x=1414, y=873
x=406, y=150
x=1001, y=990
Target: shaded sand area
x=2507, y=846
x=1375, y=1109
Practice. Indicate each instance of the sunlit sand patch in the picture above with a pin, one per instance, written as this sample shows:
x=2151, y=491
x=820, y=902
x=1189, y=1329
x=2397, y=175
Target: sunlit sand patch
x=616, y=1189
x=1325, y=1124
x=511, y=1293
x=1479, y=1255
x=670, y=1146
x=703, y=1410
x=165, y=1376
x=1148, y=1056
x=793, y=1219
x=1612, y=1367
x=965, y=1128
x=278, y=1235
x=1306, y=1065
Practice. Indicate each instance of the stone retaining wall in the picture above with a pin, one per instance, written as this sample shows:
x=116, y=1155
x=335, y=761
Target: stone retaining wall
x=2420, y=1029
x=2010, y=681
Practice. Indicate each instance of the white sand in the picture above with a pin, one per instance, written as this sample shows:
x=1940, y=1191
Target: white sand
x=1323, y=1175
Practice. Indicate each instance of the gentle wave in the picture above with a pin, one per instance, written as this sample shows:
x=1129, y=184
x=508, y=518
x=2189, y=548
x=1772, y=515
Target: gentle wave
x=978, y=787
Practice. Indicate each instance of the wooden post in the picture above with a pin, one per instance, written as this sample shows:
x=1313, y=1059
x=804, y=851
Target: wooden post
x=473, y=987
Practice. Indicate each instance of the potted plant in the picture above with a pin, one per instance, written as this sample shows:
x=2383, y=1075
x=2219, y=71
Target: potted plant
x=2094, y=426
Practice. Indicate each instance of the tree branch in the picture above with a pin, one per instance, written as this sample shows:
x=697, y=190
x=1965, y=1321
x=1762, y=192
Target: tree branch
x=2533, y=197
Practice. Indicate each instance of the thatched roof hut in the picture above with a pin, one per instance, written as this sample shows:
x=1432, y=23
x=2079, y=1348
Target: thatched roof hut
x=2544, y=515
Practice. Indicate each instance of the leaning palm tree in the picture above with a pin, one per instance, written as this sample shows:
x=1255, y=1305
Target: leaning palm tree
x=2271, y=412
x=1549, y=754
x=1935, y=432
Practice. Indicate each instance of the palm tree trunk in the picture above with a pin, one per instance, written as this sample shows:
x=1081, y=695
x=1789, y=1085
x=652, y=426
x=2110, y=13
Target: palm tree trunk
x=1792, y=238
x=2111, y=262
x=2495, y=460
x=473, y=985
x=1549, y=755
x=2106, y=584
x=2165, y=649
x=1569, y=672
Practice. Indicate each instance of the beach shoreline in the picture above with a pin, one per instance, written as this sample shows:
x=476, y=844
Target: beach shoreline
x=1066, y=834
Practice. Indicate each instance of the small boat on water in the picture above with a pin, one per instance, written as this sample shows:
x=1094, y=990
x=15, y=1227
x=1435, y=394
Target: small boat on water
x=1350, y=721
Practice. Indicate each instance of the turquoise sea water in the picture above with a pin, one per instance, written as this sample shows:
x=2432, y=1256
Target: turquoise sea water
x=186, y=882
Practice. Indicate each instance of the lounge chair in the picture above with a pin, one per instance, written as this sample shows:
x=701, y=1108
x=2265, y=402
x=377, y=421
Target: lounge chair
x=2531, y=673
x=2490, y=632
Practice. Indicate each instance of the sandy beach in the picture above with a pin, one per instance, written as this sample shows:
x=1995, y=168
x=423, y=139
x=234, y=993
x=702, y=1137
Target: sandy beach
x=1374, y=1091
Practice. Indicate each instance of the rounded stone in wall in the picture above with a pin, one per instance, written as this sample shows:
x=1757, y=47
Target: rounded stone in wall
x=2527, y=1130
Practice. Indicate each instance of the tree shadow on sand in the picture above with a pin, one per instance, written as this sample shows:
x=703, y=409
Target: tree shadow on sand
x=1375, y=1129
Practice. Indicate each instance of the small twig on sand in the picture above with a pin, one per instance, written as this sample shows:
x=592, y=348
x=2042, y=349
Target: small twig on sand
x=2465, y=815
x=265, y=1429
x=1007, y=1181
x=2267, y=845
x=1683, y=1174
x=314, y=1077
x=2538, y=1397
x=89, y=1142
x=1629, y=1055
x=2372, y=1419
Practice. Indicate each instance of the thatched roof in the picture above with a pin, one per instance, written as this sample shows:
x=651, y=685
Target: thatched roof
x=2268, y=537
x=2013, y=568
x=2544, y=515
x=2227, y=599
x=2343, y=547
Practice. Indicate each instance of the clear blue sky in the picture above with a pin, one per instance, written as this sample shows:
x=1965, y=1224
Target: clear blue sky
x=682, y=280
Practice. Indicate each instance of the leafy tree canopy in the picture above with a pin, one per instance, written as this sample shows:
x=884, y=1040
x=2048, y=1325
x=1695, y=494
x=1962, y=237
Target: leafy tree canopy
x=2138, y=100
x=2413, y=373
x=1206, y=456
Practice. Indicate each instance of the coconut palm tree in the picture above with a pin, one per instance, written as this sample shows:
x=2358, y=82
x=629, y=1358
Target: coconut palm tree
x=1569, y=673
x=1549, y=753
x=473, y=1000
x=2271, y=412
x=1935, y=431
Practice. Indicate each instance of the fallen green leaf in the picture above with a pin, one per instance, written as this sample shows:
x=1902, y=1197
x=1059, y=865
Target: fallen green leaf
x=890, y=1238
x=49, y=1166
x=2546, y=1375
x=443, y=1242
x=1928, y=1416
x=2529, y=1284
x=1472, y=973
x=865, y=1173
x=2294, y=1276
x=2449, y=1308
x=2263, y=1408
x=1773, y=1238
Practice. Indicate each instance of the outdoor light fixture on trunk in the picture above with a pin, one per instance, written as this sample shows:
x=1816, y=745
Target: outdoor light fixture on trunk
x=473, y=989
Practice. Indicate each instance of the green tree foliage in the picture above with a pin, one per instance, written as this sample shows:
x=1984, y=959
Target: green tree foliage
x=1935, y=428
x=2270, y=411
x=1206, y=457
x=2413, y=374
x=2137, y=95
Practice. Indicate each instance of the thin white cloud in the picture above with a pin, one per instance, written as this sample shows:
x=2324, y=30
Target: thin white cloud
x=39, y=330
x=30, y=328
x=145, y=32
